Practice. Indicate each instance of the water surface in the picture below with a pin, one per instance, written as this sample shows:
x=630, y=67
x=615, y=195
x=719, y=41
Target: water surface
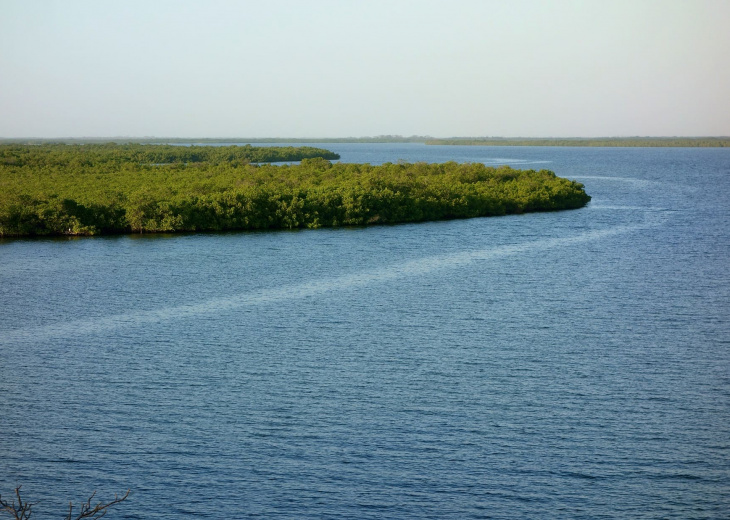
x=570, y=364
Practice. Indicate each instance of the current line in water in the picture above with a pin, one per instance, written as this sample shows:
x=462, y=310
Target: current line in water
x=420, y=267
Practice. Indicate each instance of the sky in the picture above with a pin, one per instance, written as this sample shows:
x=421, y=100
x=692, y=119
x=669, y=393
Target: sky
x=349, y=68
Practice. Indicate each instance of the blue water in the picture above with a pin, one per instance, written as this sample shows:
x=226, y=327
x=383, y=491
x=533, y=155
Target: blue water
x=556, y=365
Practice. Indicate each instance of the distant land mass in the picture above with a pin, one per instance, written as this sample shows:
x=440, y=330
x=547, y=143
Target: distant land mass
x=646, y=142
x=637, y=141
x=214, y=140
x=643, y=142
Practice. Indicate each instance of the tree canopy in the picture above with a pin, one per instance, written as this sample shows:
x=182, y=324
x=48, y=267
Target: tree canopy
x=80, y=190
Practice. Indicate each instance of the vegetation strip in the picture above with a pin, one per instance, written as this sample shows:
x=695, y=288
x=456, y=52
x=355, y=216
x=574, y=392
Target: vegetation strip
x=76, y=155
x=102, y=189
x=643, y=142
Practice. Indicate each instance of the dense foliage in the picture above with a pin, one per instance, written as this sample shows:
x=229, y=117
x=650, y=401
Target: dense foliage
x=216, y=140
x=644, y=142
x=84, y=193
x=103, y=154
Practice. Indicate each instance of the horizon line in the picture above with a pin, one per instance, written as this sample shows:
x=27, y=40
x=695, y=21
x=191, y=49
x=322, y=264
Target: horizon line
x=381, y=136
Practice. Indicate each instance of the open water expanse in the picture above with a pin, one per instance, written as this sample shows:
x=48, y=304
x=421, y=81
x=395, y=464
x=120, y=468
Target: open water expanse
x=554, y=365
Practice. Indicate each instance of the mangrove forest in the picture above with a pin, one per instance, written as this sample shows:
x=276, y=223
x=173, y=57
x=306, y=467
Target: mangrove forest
x=57, y=189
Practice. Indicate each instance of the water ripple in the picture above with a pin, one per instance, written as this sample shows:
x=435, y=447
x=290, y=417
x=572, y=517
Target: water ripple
x=413, y=268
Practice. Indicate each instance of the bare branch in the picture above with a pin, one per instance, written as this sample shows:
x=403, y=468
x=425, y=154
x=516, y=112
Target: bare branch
x=22, y=510
x=97, y=511
x=19, y=511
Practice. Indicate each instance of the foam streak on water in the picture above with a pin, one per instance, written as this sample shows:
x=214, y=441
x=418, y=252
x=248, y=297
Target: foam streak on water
x=413, y=268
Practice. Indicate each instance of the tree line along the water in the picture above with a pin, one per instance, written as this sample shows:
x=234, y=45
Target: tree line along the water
x=644, y=142
x=636, y=142
x=216, y=140
x=77, y=191
x=73, y=155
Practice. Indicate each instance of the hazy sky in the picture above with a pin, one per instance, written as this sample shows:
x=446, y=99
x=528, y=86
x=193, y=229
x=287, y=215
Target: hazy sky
x=339, y=68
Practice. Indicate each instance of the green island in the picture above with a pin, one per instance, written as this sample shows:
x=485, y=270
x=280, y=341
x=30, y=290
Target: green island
x=56, y=189
x=635, y=142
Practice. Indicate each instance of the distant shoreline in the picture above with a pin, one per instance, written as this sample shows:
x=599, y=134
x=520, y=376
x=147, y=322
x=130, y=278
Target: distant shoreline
x=631, y=142
x=638, y=142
